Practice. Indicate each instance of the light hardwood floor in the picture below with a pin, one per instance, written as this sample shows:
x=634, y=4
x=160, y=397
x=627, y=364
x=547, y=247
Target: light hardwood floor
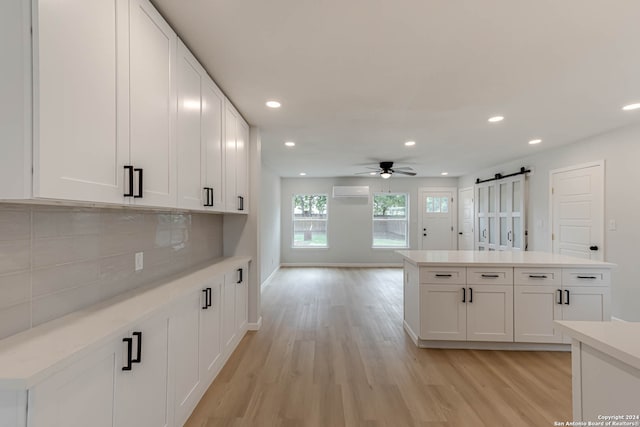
x=332, y=352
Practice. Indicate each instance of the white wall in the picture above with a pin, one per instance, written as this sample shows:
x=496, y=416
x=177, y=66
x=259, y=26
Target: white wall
x=350, y=219
x=269, y=223
x=621, y=151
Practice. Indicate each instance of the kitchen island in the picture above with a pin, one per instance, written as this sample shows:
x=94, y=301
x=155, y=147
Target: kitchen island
x=500, y=300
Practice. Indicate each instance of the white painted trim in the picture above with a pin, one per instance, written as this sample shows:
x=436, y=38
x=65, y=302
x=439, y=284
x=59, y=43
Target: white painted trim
x=255, y=326
x=268, y=280
x=411, y=334
x=478, y=345
x=343, y=265
x=604, y=198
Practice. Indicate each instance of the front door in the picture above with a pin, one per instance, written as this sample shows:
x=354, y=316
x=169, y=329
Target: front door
x=465, y=219
x=436, y=220
x=577, y=211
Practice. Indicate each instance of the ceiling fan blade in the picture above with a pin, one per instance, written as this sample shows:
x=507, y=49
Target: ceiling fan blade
x=372, y=168
x=404, y=172
x=366, y=173
x=404, y=168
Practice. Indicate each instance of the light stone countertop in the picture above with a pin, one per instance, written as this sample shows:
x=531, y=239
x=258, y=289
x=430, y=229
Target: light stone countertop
x=499, y=259
x=30, y=356
x=620, y=340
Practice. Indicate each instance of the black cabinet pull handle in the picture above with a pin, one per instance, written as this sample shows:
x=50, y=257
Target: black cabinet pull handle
x=129, y=342
x=567, y=294
x=211, y=196
x=470, y=294
x=587, y=277
x=538, y=276
x=509, y=235
x=559, y=296
x=206, y=196
x=138, y=358
x=129, y=170
x=241, y=200
x=593, y=248
x=206, y=299
x=464, y=295
x=140, y=185
x=490, y=276
x=443, y=275
x=239, y=275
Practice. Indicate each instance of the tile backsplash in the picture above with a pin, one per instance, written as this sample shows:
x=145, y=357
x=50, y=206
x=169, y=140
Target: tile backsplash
x=56, y=260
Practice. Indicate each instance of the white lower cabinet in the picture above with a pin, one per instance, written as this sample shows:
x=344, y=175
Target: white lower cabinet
x=443, y=314
x=490, y=313
x=585, y=303
x=535, y=308
x=234, y=311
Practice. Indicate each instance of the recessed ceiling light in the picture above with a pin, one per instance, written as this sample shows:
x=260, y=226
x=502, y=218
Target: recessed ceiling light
x=273, y=104
x=535, y=141
x=496, y=119
x=303, y=173
x=444, y=173
x=290, y=144
x=410, y=143
x=631, y=107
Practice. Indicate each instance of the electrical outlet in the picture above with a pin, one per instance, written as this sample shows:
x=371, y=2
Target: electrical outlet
x=139, y=260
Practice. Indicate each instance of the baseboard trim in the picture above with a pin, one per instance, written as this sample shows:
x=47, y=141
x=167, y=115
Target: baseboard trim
x=255, y=326
x=410, y=332
x=343, y=264
x=268, y=280
x=477, y=345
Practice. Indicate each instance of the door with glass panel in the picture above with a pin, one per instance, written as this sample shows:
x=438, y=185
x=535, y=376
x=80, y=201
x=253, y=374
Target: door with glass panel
x=511, y=213
x=437, y=227
x=485, y=207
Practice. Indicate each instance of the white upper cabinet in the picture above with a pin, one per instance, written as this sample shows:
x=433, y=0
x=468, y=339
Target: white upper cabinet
x=236, y=161
x=199, y=142
x=77, y=150
x=152, y=103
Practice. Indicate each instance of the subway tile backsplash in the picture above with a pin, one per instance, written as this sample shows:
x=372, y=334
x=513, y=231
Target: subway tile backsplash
x=56, y=260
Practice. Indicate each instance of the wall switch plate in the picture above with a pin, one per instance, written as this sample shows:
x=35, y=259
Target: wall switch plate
x=139, y=260
x=612, y=225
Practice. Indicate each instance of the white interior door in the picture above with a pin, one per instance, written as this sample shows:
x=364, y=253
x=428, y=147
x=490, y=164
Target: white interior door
x=577, y=211
x=465, y=219
x=437, y=230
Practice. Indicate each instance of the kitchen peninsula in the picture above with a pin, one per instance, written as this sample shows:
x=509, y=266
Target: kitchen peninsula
x=500, y=300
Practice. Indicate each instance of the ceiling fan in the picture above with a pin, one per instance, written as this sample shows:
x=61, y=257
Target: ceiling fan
x=386, y=169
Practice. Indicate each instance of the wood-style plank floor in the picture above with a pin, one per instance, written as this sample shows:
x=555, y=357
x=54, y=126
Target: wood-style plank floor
x=332, y=352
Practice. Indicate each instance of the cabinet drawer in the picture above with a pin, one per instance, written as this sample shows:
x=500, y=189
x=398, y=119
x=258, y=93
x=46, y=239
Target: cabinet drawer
x=490, y=276
x=585, y=277
x=441, y=276
x=537, y=276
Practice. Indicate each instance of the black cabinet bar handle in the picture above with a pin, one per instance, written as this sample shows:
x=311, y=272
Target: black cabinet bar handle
x=443, y=275
x=464, y=295
x=129, y=342
x=567, y=294
x=211, y=195
x=140, y=185
x=138, y=358
x=559, y=296
x=470, y=294
x=538, y=276
x=206, y=299
x=129, y=169
x=587, y=277
x=490, y=276
x=239, y=275
x=206, y=196
x=241, y=200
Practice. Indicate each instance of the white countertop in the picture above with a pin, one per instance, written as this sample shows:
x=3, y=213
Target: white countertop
x=620, y=340
x=29, y=357
x=498, y=259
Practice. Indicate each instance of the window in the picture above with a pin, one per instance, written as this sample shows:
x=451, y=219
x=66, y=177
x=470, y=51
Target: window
x=390, y=220
x=437, y=204
x=310, y=221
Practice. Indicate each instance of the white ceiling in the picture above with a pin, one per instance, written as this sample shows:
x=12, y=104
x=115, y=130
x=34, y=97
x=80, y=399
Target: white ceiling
x=358, y=78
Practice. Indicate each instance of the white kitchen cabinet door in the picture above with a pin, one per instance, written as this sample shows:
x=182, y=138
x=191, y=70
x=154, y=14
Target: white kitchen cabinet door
x=141, y=393
x=490, y=313
x=212, y=141
x=229, y=312
x=210, y=332
x=242, y=164
x=232, y=202
x=242, y=275
x=79, y=100
x=443, y=314
x=585, y=303
x=535, y=309
x=152, y=98
x=191, y=162
x=184, y=330
x=80, y=395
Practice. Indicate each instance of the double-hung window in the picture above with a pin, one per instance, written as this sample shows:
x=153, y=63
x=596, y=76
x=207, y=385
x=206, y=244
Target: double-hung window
x=310, y=215
x=390, y=220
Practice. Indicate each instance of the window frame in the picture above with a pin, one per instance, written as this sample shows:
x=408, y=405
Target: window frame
x=293, y=221
x=405, y=220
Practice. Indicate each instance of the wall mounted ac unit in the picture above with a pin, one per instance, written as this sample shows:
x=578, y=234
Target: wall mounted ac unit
x=351, y=191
